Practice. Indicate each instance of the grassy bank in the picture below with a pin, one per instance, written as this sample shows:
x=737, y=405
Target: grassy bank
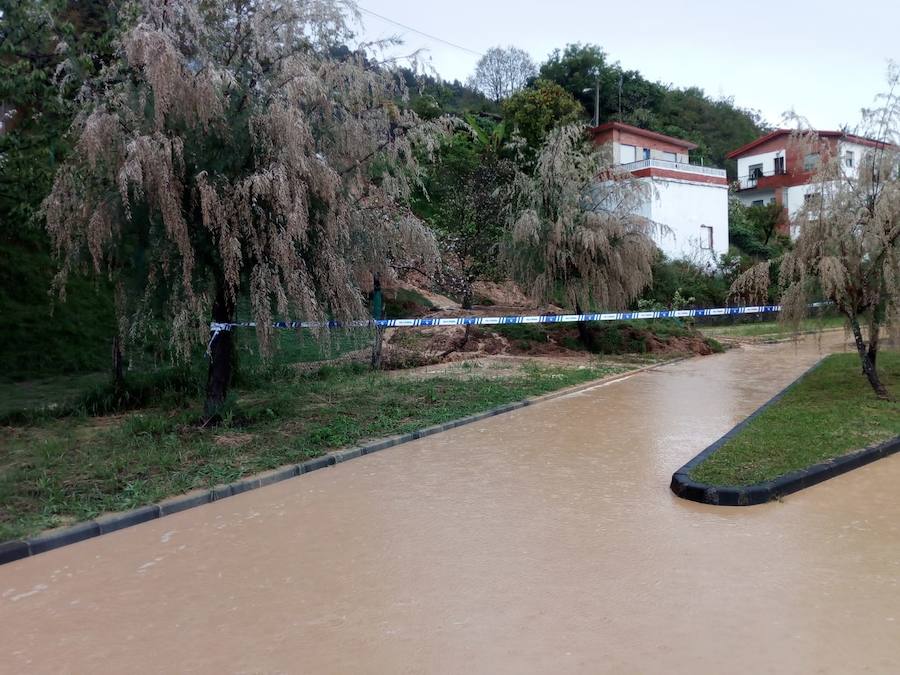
x=56, y=471
x=831, y=412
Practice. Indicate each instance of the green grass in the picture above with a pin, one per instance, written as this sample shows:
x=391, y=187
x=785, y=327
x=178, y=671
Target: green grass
x=404, y=303
x=830, y=412
x=59, y=471
x=91, y=393
x=772, y=328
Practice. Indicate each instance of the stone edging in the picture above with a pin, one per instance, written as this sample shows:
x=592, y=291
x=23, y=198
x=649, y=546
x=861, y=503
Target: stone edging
x=17, y=549
x=759, y=493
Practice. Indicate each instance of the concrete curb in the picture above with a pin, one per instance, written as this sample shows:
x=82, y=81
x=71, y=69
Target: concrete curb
x=759, y=493
x=15, y=550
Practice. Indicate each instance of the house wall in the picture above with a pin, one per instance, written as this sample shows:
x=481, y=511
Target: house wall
x=683, y=207
x=767, y=159
x=620, y=137
x=657, y=148
x=747, y=197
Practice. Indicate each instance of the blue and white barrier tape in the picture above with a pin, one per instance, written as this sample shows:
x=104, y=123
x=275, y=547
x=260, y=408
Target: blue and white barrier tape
x=215, y=328
x=500, y=320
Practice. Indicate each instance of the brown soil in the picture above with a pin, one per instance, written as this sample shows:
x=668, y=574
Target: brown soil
x=416, y=347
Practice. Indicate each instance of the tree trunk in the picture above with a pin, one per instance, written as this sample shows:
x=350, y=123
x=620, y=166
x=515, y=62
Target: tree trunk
x=221, y=347
x=584, y=331
x=118, y=364
x=377, y=306
x=867, y=365
x=874, y=334
x=468, y=294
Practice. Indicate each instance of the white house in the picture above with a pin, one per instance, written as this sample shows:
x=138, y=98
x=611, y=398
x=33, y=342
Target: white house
x=690, y=200
x=771, y=169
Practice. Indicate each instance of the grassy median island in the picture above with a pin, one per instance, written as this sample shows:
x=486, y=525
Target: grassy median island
x=59, y=470
x=830, y=412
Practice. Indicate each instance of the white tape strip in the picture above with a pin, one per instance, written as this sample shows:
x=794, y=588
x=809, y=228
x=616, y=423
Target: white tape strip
x=216, y=328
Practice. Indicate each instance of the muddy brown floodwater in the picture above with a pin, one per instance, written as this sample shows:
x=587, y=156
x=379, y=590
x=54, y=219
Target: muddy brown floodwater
x=543, y=541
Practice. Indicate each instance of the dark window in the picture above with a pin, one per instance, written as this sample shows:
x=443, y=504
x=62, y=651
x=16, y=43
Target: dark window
x=779, y=165
x=758, y=202
x=646, y=153
x=756, y=171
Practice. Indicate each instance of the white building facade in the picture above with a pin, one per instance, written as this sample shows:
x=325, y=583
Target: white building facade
x=690, y=201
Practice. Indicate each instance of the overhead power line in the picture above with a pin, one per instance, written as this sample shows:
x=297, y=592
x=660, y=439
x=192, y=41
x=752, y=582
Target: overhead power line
x=422, y=33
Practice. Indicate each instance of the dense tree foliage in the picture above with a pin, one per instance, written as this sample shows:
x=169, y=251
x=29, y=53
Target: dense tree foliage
x=536, y=110
x=47, y=49
x=717, y=126
x=466, y=199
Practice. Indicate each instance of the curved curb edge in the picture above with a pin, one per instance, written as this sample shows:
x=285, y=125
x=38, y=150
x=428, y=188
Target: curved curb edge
x=759, y=493
x=17, y=549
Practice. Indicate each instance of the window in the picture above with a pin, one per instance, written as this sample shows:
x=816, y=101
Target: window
x=771, y=200
x=627, y=154
x=848, y=159
x=756, y=171
x=779, y=166
x=706, y=237
x=669, y=156
x=646, y=153
x=811, y=161
x=758, y=202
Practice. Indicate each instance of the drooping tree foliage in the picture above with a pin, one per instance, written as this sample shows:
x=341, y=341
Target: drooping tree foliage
x=232, y=150
x=578, y=238
x=848, y=247
x=47, y=50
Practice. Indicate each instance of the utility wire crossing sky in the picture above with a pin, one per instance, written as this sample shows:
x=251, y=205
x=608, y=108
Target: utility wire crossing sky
x=823, y=60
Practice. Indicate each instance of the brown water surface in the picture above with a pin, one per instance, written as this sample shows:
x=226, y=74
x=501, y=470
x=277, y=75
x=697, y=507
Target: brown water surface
x=545, y=540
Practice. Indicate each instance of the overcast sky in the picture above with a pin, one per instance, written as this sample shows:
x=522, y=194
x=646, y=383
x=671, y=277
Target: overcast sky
x=823, y=59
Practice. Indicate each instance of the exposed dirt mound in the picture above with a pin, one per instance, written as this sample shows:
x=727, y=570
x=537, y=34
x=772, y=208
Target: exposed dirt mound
x=506, y=294
x=414, y=347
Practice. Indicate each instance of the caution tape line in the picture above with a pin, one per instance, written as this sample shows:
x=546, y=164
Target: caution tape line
x=505, y=320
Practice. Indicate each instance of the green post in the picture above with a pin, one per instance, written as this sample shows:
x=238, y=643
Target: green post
x=377, y=313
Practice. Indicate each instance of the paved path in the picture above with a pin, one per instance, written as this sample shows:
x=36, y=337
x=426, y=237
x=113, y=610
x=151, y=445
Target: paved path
x=545, y=540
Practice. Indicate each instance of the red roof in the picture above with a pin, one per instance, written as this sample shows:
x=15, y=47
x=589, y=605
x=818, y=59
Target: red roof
x=608, y=126
x=852, y=138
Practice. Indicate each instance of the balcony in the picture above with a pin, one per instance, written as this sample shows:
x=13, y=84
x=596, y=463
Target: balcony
x=759, y=179
x=673, y=166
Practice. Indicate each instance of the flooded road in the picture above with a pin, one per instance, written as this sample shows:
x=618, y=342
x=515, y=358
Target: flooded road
x=541, y=541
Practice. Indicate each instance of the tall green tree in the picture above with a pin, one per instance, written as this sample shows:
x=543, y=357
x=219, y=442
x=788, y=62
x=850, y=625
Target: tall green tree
x=717, y=126
x=534, y=111
x=469, y=191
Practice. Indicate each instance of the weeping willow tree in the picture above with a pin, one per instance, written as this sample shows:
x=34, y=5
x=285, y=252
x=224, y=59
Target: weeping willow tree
x=578, y=238
x=848, y=246
x=238, y=150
